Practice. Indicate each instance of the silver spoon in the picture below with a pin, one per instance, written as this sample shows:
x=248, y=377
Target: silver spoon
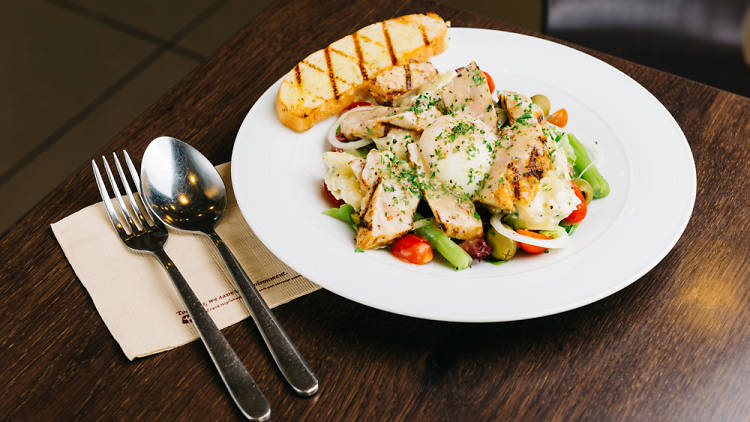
x=185, y=191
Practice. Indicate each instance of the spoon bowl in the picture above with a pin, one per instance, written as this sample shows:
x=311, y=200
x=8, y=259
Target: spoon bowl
x=182, y=186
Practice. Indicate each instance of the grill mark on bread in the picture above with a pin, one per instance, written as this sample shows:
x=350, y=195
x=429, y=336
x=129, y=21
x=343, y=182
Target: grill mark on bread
x=312, y=66
x=341, y=53
x=331, y=76
x=298, y=75
x=318, y=69
x=388, y=43
x=425, y=38
x=360, y=61
x=407, y=75
x=368, y=39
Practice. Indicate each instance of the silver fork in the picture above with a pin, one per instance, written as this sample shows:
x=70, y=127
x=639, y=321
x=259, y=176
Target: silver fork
x=149, y=235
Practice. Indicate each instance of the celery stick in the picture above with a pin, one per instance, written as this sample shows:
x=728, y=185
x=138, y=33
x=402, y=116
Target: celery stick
x=452, y=253
x=592, y=175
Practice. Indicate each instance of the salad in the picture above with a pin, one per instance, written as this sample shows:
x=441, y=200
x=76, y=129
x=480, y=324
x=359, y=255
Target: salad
x=442, y=162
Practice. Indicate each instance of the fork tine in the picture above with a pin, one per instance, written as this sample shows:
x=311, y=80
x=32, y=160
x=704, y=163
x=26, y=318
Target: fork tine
x=113, y=217
x=131, y=198
x=118, y=196
x=137, y=180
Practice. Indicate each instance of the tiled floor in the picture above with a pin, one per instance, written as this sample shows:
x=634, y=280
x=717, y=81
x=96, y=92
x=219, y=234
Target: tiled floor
x=75, y=72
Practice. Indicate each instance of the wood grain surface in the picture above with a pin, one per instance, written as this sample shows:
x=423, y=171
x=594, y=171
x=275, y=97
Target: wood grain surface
x=673, y=346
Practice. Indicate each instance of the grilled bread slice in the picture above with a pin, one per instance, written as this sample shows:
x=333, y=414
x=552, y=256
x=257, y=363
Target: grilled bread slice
x=328, y=80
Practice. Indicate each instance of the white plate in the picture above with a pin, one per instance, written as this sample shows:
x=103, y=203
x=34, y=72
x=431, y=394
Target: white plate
x=277, y=176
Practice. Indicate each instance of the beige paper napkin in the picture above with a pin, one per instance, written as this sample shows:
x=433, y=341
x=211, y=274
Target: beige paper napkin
x=134, y=295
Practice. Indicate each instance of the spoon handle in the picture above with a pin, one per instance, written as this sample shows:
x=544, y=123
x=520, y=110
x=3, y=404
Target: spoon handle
x=239, y=382
x=294, y=368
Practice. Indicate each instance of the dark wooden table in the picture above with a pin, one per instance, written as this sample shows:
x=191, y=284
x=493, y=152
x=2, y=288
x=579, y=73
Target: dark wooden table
x=675, y=345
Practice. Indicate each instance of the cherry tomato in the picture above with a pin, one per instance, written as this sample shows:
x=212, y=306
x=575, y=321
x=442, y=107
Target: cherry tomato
x=355, y=105
x=490, y=82
x=579, y=213
x=559, y=118
x=531, y=248
x=413, y=249
x=329, y=196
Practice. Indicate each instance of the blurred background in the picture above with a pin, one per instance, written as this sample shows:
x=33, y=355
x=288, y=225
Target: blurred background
x=75, y=72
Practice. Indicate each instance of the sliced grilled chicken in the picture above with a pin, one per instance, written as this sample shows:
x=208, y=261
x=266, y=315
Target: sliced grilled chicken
x=555, y=198
x=522, y=157
x=470, y=94
x=457, y=217
x=390, y=202
x=519, y=108
x=328, y=80
x=374, y=121
x=413, y=110
x=413, y=118
x=357, y=166
x=529, y=174
x=399, y=80
x=365, y=122
x=369, y=177
x=396, y=141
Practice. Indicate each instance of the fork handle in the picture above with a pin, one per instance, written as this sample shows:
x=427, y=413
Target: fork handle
x=291, y=364
x=242, y=387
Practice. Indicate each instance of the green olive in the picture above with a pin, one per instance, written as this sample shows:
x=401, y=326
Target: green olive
x=586, y=189
x=543, y=102
x=513, y=221
x=502, y=247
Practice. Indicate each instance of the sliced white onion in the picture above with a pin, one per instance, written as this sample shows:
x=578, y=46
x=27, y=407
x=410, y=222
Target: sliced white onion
x=556, y=243
x=347, y=145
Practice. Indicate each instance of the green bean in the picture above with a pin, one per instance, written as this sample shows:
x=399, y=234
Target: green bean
x=452, y=253
x=592, y=175
x=343, y=213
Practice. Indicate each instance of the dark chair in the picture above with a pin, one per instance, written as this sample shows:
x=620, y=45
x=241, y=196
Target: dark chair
x=702, y=40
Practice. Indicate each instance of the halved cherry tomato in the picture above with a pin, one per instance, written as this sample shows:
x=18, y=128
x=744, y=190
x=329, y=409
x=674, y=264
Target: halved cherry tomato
x=329, y=196
x=355, y=105
x=413, y=249
x=579, y=213
x=490, y=82
x=559, y=118
x=531, y=248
